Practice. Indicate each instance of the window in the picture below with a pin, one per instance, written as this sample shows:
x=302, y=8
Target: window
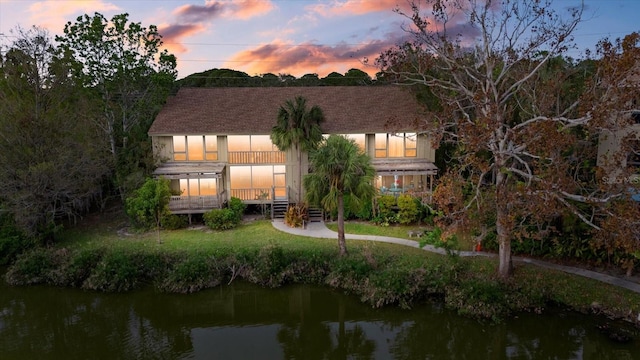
x=248, y=182
x=395, y=145
x=195, y=148
x=198, y=187
x=253, y=149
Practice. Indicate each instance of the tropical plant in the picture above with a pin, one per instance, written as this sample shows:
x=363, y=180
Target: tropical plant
x=299, y=128
x=339, y=167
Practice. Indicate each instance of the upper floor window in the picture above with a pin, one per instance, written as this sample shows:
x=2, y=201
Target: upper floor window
x=195, y=148
x=253, y=149
x=395, y=145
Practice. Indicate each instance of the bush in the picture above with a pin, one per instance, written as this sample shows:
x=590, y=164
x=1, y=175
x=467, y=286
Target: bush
x=221, y=219
x=174, y=222
x=409, y=209
x=237, y=206
x=12, y=244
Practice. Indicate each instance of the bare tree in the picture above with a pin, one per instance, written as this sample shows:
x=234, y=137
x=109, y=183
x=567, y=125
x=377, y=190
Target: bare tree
x=498, y=74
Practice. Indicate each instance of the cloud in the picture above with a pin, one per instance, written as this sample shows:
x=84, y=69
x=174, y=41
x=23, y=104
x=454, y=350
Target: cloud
x=281, y=57
x=354, y=7
x=171, y=35
x=199, y=13
x=54, y=14
x=194, y=19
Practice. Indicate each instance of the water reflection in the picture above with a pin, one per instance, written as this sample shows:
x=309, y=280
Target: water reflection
x=297, y=322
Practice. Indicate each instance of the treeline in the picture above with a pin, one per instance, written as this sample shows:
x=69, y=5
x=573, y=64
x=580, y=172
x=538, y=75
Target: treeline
x=74, y=116
x=228, y=77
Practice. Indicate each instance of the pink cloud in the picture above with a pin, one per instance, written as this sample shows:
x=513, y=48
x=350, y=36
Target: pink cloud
x=356, y=7
x=279, y=57
x=173, y=34
x=54, y=14
x=251, y=8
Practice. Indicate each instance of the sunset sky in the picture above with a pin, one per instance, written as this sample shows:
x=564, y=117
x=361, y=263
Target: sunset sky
x=280, y=36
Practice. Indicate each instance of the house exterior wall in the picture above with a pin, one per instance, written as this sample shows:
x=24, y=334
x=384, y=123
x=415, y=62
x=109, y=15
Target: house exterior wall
x=610, y=157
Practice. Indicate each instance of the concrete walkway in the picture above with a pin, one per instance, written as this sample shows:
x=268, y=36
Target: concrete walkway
x=319, y=230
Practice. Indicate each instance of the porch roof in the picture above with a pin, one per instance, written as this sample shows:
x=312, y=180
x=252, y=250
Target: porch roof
x=180, y=170
x=388, y=167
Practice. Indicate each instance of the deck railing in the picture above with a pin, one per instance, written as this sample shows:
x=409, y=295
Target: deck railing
x=177, y=203
x=256, y=157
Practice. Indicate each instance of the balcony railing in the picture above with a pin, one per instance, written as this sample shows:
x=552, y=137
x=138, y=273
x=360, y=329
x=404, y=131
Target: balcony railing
x=256, y=157
x=254, y=194
x=182, y=203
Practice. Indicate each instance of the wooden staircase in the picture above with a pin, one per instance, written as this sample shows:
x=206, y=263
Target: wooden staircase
x=315, y=214
x=279, y=208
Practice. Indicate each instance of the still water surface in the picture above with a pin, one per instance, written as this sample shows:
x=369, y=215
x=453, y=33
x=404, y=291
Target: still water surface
x=244, y=321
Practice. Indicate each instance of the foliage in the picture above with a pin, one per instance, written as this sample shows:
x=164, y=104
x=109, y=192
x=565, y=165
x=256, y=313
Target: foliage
x=238, y=207
x=298, y=128
x=150, y=204
x=174, y=222
x=519, y=114
x=52, y=162
x=129, y=76
x=436, y=237
x=339, y=168
x=296, y=215
x=221, y=219
x=12, y=241
x=409, y=209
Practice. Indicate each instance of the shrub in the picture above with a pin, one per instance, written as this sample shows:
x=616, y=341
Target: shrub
x=237, y=206
x=12, y=242
x=174, y=222
x=194, y=273
x=409, y=209
x=33, y=267
x=117, y=271
x=221, y=219
x=149, y=204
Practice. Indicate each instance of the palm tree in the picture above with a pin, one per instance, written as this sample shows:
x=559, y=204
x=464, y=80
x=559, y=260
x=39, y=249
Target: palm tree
x=299, y=129
x=339, y=168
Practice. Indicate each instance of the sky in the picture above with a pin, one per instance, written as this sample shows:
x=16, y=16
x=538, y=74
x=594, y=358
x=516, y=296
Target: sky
x=294, y=37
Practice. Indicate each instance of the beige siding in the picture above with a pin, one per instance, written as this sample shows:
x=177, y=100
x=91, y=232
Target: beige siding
x=162, y=148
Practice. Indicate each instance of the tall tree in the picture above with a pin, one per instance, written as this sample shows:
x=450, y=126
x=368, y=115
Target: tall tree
x=339, y=167
x=497, y=97
x=130, y=76
x=51, y=160
x=299, y=128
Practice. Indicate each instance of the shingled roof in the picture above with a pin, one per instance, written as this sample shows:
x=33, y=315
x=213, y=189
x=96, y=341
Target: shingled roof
x=253, y=110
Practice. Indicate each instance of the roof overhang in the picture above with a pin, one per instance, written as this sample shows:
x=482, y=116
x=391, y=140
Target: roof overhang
x=390, y=167
x=190, y=170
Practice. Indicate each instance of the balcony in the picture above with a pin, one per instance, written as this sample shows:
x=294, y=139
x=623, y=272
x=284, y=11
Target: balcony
x=256, y=157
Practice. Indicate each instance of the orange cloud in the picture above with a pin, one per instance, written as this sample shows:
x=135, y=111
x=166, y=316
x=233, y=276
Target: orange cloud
x=250, y=8
x=356, y=7
x=173, y=34
x=282, y=58
x=54, y=14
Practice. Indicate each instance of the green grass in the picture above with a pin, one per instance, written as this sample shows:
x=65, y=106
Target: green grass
x=397, y=231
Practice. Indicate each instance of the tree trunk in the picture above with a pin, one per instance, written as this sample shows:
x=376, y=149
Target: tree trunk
x=299, y=173
x=342, y=244
x=505, y=268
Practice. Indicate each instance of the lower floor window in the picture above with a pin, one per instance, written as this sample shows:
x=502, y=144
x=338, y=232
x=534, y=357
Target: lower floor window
x=256, y=182
x=198, y=187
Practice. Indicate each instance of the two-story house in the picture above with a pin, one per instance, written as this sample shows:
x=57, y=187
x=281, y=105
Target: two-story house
x=214, y=143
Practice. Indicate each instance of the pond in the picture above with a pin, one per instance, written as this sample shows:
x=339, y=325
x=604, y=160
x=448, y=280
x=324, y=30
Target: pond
x=243, y=321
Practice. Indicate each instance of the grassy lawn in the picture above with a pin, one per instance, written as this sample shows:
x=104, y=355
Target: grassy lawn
x=397, y=231
x=246, y=237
